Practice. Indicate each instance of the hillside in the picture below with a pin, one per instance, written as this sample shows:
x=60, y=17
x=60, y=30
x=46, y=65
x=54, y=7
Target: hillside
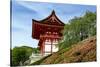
x=84, y=51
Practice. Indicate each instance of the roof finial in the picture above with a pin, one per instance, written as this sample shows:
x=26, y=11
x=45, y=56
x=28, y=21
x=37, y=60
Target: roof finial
x=53, y=12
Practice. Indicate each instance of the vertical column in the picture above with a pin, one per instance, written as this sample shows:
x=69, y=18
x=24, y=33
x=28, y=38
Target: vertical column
x=43, y=48
x=42, y=44
x=51, y=45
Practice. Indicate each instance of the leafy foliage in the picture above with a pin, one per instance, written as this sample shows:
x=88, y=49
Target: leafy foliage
x=21, y=54
x=78, y=29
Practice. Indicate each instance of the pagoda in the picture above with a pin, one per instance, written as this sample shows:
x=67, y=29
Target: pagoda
x=48, y=32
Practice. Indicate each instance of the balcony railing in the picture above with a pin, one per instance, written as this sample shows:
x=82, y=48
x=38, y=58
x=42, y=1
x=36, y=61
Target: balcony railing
x=50, y=36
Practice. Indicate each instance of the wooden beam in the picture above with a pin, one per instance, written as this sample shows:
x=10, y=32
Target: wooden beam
x=51, y=45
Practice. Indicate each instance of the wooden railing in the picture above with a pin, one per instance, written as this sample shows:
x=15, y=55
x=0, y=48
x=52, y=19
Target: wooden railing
x=50, y=36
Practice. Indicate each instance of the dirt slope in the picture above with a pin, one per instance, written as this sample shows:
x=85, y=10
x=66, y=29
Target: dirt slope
x=83, y=51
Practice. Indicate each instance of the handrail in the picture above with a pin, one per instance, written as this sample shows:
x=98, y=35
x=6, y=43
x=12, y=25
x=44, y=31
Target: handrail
x=49, y=36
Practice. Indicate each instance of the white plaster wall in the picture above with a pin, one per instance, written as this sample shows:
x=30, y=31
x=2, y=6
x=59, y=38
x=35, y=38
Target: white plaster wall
x=54, y=48
x=47, y=48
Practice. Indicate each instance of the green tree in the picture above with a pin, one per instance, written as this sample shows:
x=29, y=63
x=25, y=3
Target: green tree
x=20, y=54
x=78, y=29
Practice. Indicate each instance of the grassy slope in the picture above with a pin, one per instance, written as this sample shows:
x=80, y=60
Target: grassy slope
x=83, y=51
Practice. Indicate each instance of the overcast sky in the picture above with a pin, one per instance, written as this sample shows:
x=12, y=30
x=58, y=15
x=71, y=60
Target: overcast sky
x=24, y=11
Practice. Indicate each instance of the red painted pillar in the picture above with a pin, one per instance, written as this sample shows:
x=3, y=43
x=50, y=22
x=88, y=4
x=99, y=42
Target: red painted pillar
x=51, y=45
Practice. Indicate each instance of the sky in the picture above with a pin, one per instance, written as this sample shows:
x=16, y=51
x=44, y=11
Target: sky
x=23, y=12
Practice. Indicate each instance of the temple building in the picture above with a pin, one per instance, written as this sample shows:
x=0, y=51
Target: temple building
x=48, y=32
